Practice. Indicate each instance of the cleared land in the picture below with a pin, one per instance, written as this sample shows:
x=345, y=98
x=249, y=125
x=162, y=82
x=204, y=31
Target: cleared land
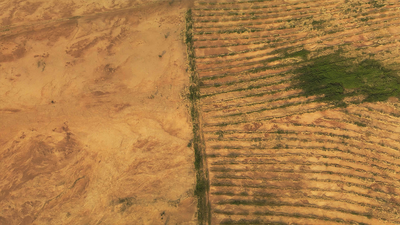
x=93, y=125
x=298, y=109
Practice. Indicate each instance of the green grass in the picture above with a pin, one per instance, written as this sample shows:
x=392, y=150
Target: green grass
x=332, y=74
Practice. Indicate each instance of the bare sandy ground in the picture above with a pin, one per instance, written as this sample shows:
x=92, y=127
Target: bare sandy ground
x=93, y=125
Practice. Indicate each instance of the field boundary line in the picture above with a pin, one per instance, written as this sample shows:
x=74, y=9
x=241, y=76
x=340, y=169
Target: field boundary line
x=202, y=188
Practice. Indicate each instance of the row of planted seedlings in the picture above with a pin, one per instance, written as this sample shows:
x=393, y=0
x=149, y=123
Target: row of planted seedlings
x=271, y=181
x=305, y=4
x=249, y=4
x=260, y=82
x=377, y=123
x=216, y=3
x=327, y=128
x=226, y=199
x=325, y=169
x=353, y=180
x=276, y=40
x=321, y=160
x=257, y=14
x=228, y=124
x=274, y=62
x=236, y=104
x=245, y=37
x=322, y=163
x=267, y=52
x=260, y=107
x=328, y=155
x=277, y=206
x=370, y=112
x=354, y=129
x=390, y=158
x=277, y=7
x=290, y=17
x=386, y=151
x=268, y=113
x=296, y=41
x=286, y=218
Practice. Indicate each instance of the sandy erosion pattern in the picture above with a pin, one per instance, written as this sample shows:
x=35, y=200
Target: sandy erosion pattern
x=93, y=126
x=17, y=12
x=274, y=155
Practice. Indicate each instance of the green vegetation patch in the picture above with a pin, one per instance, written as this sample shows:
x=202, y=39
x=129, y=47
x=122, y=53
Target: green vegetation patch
x=334, y=77
x=318, y=24
x=202, y=187
x=376, y=4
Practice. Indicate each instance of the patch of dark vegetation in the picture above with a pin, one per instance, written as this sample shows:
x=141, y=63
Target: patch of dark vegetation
x=75, y=17
x=291, y=53
x=162, y=54
x=365, y=19
x=278, y=146
x=220, y=134
x=360, y=124
x=318, y=24
x=124, y=202
x=202, y=187
x=189, y=145
x=335, y=77
x=376, y=4
x=128, y=201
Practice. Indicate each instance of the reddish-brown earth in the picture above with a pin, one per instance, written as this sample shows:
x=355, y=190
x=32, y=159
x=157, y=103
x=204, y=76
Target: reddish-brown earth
x=94, y=128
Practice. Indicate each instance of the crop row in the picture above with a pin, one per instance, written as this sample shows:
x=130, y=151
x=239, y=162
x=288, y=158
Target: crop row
x=215, y=3
x=372, y=14
x=311, y=187
x=237, y=106
x=329, y=128
x=263, y=183
x=252, y=120
x=280, y=105
x=255, y=137
x=297, y=43
x=251, y=2
x=324, y=157
x=372, y=120
x=280, y=203
x=351, y=143
x=258, y=23
x=255, y=86
x=271, y=114
x=352, y=150
x=324, y=167
x=229, y=37
x=297, y=194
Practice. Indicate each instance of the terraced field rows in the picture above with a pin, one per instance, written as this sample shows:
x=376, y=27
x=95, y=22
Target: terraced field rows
x=275, y=154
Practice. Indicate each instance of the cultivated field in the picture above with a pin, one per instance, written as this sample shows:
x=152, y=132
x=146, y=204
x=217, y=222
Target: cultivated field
x=296, y=111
